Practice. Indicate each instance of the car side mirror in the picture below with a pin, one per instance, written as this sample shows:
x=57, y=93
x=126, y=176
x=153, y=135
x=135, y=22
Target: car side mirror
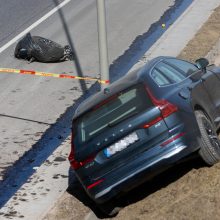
x=202, y=63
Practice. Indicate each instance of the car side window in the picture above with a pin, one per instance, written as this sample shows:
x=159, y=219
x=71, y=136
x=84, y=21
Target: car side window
x=160, y=78
x=186, y=67
x=164, y=74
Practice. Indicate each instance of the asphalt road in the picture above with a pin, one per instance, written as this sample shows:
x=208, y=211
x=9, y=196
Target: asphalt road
x=17, y=15
x=30, y=105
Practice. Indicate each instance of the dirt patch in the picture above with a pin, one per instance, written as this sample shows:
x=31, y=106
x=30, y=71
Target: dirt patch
x=189, y=191
x=67, y=207
x=194, y=195
x=204, y=40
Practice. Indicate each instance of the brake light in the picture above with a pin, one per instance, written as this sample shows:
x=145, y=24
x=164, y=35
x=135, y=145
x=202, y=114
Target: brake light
x=77, y=164
x=165, y=107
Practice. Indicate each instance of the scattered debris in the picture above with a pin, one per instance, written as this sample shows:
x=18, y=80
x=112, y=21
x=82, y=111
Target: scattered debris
x=60, y=159
x=36, y=48
x=163, y=25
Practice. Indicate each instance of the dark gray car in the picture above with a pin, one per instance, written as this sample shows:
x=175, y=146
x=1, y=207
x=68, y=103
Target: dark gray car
x=144, y=123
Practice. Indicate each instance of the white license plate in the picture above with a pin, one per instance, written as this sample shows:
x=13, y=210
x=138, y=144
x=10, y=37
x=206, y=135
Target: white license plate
x=121, y=145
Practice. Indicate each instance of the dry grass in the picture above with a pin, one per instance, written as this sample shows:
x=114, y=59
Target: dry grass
x=204, y=40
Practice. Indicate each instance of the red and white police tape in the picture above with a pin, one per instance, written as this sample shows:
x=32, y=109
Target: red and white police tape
x=45, y=74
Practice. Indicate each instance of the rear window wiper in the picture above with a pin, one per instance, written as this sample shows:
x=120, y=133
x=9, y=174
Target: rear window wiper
x=111, y=124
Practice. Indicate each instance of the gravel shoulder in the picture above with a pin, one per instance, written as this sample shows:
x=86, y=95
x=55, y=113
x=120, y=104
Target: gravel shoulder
x=190, y=190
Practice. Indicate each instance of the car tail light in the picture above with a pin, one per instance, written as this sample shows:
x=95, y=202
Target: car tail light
x=77, y=164
x=165, y=107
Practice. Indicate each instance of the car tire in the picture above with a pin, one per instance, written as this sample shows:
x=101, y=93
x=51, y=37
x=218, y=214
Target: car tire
x=210, y=143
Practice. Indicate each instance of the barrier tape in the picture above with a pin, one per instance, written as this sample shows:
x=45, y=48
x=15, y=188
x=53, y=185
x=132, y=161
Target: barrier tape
x=45, y=74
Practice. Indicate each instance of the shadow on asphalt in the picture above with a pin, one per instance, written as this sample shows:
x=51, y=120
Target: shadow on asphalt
x=70, y=41
x=24, y=119
x=16, y=175
x=141, y=192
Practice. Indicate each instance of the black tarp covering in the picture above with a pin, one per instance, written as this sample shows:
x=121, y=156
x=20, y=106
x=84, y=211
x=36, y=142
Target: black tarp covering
x=37, y=48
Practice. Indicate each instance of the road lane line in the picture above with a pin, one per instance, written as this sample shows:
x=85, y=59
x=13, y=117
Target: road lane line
x=35, y=24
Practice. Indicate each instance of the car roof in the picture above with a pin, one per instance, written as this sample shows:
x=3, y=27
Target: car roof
x=131, y=78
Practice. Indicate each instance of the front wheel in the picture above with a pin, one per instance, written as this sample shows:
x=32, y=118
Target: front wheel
x=210, y=143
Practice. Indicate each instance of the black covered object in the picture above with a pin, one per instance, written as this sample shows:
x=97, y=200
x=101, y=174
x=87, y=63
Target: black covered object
x=41, y=49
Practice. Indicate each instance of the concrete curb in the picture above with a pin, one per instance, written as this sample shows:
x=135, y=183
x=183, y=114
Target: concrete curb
x=213, y=53
x=181, y=32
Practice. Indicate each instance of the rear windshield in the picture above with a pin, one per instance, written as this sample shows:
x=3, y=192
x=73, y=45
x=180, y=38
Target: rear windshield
x=126, y=104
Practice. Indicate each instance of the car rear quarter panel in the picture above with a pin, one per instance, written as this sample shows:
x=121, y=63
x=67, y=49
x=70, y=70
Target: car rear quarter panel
x=185, y=114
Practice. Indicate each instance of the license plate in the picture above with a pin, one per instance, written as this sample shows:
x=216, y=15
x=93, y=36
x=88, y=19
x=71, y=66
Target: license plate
x=121, y=145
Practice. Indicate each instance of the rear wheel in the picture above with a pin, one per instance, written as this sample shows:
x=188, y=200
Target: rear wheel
x=210, y=143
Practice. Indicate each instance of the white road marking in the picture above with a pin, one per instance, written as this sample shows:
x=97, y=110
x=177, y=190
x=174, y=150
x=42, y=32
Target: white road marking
x=35, y=24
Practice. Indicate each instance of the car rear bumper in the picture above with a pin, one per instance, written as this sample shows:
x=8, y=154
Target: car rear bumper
x=147, y=170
